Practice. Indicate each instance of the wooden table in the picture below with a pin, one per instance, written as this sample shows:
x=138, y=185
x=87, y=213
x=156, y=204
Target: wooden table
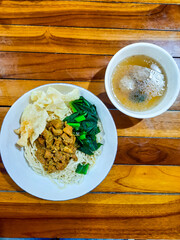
x=47, y=41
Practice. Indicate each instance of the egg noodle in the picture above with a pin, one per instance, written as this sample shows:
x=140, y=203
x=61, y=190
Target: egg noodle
x=52, y=105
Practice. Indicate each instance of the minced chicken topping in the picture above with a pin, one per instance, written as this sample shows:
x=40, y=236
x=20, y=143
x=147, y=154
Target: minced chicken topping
x=56, y=146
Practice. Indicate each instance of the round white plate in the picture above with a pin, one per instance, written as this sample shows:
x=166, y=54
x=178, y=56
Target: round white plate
x=39, y=186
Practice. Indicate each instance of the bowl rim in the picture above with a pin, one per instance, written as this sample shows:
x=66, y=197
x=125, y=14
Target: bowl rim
x=110, y=164
x=118, y=105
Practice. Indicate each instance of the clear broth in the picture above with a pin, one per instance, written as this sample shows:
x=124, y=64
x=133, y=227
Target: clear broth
x=121, y=70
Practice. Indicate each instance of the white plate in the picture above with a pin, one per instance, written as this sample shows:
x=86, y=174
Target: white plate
x=40, y=186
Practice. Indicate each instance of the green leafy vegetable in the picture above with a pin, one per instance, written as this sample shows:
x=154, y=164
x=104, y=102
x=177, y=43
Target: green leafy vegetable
x=86, y=150
x=72, y=107
x=82, y=168
x=83, y=135
x=71, y=118
x=84, y=121
x=80, y=118
x=94, y=131
x=74, y=125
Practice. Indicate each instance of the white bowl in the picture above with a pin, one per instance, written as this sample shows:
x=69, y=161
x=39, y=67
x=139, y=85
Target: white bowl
x=40, y=186
x=167, y=62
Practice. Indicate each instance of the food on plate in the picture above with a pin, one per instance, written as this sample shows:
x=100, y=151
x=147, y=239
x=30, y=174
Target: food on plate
x=84, y=120
x=56, y=146
x=61, y=135
x=139, y=82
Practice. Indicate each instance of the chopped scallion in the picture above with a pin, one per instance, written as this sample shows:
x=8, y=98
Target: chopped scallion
x=72, y=107
x=74, y=125
x=80, y=118
x=83, y=136
x=82, y=168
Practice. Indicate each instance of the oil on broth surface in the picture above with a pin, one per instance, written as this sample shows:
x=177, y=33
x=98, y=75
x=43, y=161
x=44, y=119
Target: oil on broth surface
x=121, y=71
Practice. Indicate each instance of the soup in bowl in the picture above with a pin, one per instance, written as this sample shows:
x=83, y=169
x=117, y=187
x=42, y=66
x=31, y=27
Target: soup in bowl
x=142, y=80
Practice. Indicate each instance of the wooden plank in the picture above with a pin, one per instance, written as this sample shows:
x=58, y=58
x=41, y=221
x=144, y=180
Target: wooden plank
x=124, y=178
x=161, y=179
x=90, y=14
x=81, y=40
x=139, y=215
x=18, y=87
x=99, y=205
x=141, y=1
x=162, y=200
x=152, y=151
x=159, y=226
x=165, y=125
x=20, y=65
x=3, y=111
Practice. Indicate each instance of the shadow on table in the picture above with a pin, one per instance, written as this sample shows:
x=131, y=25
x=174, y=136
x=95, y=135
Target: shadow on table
x=123, y=121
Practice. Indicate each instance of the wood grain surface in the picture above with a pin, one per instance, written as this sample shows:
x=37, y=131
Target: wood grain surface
x=140, y=1
x=139, y=227
x=81, y=40
x=115, y=209
x=91, y=14
x=52, y=41
x=148, y=151
x=60, y=66
x=164, y=125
